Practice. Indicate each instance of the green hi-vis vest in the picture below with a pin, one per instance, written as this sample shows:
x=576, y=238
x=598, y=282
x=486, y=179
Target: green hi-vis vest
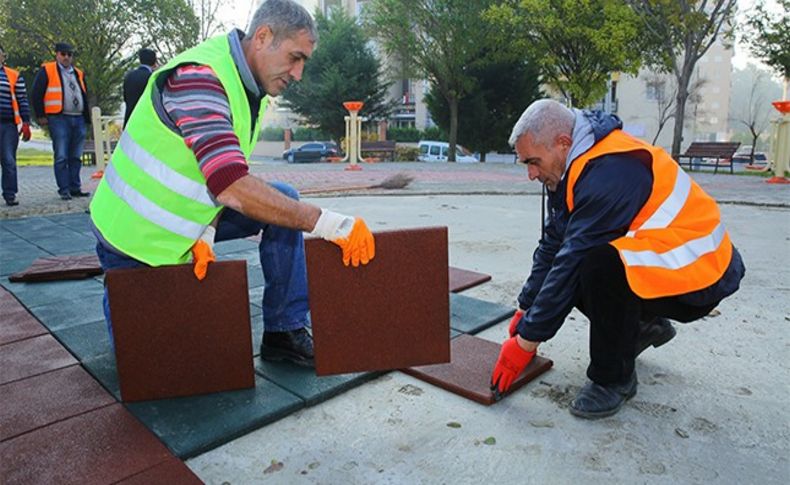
x=153, y=203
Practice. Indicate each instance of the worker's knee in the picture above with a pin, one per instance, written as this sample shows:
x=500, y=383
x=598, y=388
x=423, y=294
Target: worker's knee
x=286, y=189
x=601, y=264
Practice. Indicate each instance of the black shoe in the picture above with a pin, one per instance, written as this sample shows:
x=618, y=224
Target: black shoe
x=295, y=346
x=65, y=196
x=79, y=193
x=596, y=401
x=11, y=202
x=656, y=332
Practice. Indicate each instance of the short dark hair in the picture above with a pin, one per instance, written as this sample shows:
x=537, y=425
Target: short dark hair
x=147, y=57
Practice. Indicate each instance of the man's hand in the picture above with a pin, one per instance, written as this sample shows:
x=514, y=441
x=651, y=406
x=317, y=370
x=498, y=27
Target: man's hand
x=513, y=359
x=351, y=234
x=25, y=131
x=42, y=121
x=511, y=330
x=202, y=253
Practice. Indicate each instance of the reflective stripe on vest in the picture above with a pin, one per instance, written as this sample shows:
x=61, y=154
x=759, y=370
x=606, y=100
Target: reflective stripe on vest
x=153, y=202
x=13, y=77
x=676, y=244
x=53, y=97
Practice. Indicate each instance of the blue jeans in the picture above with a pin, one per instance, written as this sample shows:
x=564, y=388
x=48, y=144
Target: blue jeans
x=282, y=258
x=9, y=141
x=68, y=137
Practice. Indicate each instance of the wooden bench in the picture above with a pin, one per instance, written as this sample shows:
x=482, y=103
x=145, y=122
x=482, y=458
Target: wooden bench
x=703, y=153
x=89, y=152
x=384, y=149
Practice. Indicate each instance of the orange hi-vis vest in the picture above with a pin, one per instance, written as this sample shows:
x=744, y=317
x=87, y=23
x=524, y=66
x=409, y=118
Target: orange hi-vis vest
x=677, y=243
x=53, y=98
x=13, y=77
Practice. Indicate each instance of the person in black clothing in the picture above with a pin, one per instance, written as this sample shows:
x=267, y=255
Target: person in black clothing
x=136, y=79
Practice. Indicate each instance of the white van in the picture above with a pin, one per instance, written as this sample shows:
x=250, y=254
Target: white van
x=436, y=151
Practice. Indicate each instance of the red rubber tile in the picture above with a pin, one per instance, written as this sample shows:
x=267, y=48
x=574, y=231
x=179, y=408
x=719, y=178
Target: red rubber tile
x=463, y=279
x=177, y=336
x=171, y=472
x=391, y=313
x=18, y=323
x=53, y=268
x=99, y=447
x=37, y=401
x=469, y=372
x=33, y=356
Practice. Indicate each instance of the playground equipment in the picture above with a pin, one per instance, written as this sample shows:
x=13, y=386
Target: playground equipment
x=353, y=134
x=781, y=143
x=101, y=139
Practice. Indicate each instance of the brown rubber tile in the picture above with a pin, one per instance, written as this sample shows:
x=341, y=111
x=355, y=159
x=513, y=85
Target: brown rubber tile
x=463, y=279
x=33, y=356
x=177, y=336
x=469, y=372
x=103, y=446
x=391, y=313
x=53, y=268
x=170, y=472
x=18, y=323
x=37, y=401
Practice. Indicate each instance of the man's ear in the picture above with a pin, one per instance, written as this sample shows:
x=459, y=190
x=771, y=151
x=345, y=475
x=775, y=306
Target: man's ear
x=263, y=36
x=564, y=140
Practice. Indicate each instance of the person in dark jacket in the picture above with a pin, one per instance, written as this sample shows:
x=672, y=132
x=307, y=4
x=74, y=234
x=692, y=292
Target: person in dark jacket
x=135, y=80
x=629, y=239
x=14, y=122
x=60, y=100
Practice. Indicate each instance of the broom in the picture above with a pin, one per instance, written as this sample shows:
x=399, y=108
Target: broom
x=393, y=182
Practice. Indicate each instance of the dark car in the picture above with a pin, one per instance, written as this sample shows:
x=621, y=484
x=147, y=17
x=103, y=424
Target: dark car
x=311, y=152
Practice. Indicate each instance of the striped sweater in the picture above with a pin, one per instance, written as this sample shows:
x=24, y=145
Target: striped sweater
x=6, y=110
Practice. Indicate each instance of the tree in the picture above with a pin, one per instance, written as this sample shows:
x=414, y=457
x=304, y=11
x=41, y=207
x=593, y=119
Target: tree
x=440, y=40
x=104, y=33
x=578, y=43
x=342, y=68
x=770, y=38
x=678, y=33
x=750, y=110
x=662, y=89
x=487, y=114
x=206, y=12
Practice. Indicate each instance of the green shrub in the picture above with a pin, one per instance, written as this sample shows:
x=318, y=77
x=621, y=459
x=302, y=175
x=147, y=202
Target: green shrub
x=434, y=133
x=406, y=154
x=408, y=134
x=309, y=134
x=272, y=133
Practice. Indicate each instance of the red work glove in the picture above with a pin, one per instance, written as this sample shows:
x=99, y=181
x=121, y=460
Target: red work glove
x=511, y=330
x=25, y=131
x=202, y=252
x=351, y=234
x=511, y=363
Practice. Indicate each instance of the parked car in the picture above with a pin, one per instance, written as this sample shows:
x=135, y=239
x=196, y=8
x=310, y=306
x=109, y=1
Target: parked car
x=311, y=152
x=436, y=151
x=743, y=155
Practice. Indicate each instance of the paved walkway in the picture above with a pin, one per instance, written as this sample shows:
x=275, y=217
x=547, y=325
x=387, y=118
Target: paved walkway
x=38, y=193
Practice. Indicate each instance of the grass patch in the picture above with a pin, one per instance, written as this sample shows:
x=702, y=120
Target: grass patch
x=30, y=157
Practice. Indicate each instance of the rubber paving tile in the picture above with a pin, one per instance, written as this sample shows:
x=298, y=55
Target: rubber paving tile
x=469, y=372
x=472, y=315
x=463, y=279
x=51, y=268
x=51, y=236
x=195, y=424
x=16, y=254
x=103, y=369
x=170, y=472
x=86, y=341
x=393, y=312
x=33, y=356
x=37, y=401
x=78, y=222
x=18, y=323
x=102, y=446
x=177, y=336
x=67, y=312
x=306, y=384
x=59, y=292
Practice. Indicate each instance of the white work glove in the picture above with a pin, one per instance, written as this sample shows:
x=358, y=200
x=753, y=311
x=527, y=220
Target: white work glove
x=350, y=233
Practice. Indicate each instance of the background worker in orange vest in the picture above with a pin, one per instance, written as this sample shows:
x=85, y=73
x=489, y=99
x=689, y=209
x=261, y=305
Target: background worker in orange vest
x=630, y=239
x=60, y=100
x=14, y=111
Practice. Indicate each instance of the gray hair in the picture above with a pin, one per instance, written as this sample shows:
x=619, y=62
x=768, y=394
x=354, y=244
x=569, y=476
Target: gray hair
x=544, y=119
x=285, y=18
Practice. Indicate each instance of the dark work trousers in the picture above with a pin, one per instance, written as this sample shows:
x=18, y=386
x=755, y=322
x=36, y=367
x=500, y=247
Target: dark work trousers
x=615, y=312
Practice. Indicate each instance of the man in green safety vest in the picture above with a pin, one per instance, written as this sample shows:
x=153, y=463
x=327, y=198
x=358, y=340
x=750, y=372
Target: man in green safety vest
x=179, y=179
